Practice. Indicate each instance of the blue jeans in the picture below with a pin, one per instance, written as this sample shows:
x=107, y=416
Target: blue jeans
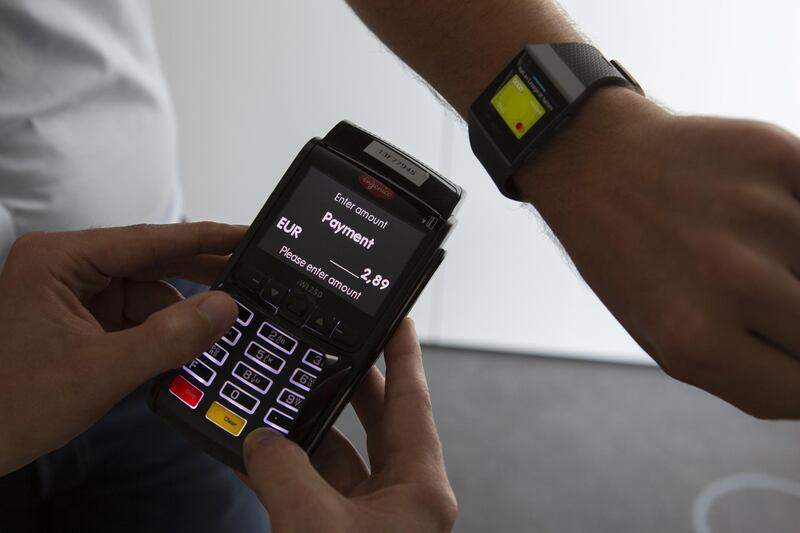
x=130, y=472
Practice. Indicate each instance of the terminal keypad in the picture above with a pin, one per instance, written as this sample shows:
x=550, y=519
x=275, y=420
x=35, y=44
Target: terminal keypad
x=255, y=375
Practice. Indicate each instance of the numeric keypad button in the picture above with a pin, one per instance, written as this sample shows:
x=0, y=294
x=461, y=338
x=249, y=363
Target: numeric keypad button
x=245, y=315
x=252, y=377
x=217, y=354
x=303, y=379
x=232, y=336
x=264, y=357
x=290, y=399
x=277, y=338
x=238, y=397
x=314, y=359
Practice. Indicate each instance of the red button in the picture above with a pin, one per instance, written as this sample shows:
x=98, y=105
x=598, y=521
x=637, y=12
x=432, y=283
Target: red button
x=185, y=391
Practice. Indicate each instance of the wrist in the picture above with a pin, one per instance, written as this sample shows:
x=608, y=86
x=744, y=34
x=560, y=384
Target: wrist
x=457, y=46
x=604, y=142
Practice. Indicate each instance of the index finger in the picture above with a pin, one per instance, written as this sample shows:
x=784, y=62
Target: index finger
x=410, y=429
x=120, y=252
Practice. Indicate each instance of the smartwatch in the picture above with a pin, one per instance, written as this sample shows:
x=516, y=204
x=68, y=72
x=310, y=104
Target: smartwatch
x=530, y=99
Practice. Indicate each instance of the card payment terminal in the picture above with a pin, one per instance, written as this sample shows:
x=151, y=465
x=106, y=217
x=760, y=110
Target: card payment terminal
x=333, y=261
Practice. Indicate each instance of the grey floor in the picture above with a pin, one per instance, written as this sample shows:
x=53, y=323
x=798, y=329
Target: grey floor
x=538, y=444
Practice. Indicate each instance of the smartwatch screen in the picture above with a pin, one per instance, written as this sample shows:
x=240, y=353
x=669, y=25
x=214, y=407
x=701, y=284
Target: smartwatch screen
x=518, y=106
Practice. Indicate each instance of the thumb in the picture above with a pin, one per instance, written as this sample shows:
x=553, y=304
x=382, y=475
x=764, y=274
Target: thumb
x=282, y=477
x=172, y=336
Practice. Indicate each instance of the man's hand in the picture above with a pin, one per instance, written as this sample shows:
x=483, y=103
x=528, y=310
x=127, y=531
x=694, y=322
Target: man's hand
x=407, y=489
x=85, y=320
x=688, y=228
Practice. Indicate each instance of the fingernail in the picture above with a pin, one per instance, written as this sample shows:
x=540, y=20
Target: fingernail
x=262, y=437
x=219, y=309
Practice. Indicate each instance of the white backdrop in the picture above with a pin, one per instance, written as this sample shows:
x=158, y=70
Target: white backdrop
x=254, y=80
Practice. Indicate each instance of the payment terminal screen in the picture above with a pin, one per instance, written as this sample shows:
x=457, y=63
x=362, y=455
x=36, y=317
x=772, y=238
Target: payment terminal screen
x=518, y=106
x=342, y=239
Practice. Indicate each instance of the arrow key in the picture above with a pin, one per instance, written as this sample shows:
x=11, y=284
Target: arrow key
x=274, y=293
x=321, y=322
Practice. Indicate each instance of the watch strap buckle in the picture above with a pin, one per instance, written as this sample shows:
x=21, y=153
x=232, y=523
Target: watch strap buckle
x=628, y=76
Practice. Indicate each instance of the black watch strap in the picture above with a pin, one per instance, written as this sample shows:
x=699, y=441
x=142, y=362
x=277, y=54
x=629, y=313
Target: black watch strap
x=589, y=66
x=576, y=70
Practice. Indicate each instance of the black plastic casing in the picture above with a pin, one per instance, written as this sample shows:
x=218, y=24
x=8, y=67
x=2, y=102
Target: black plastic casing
x=429, y=205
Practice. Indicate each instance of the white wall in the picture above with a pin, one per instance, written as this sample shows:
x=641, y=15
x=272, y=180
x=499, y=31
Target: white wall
x=253, y=81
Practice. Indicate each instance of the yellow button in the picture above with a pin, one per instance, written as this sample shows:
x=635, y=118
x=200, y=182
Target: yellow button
x=226, y=419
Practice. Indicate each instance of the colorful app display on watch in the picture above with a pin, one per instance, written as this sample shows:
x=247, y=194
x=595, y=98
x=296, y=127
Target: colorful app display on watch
x=518, y=107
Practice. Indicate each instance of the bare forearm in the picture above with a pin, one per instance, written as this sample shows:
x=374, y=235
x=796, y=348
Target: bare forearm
x=459, y=46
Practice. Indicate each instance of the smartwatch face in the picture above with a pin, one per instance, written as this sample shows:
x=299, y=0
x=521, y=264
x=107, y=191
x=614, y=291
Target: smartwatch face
x=519, y=106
